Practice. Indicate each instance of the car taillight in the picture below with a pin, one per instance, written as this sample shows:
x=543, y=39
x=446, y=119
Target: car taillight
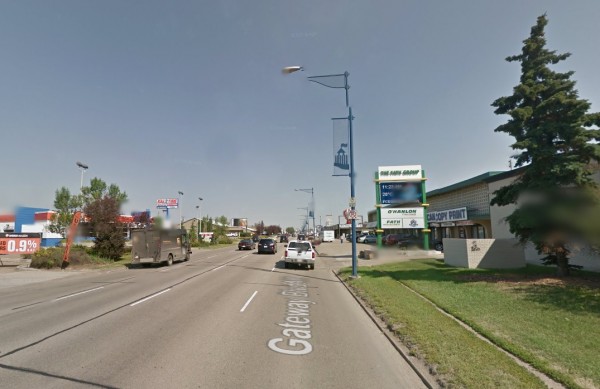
x=286, y=253
x=313, y=255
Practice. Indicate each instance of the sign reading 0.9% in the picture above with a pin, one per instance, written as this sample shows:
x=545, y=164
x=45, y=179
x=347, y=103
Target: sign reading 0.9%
x=15, y=243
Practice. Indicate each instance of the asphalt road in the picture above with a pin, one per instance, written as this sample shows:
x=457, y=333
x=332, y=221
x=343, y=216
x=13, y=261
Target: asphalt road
x=225, y=319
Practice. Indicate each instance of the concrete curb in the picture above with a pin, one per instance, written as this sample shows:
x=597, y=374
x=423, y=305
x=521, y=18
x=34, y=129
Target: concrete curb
x=425, y=377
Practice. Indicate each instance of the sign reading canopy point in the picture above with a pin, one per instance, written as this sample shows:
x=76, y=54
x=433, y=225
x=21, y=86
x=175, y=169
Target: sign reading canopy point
x=167, y=203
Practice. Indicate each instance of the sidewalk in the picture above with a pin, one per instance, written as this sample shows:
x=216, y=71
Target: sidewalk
x=342, y=254
x=15, y=271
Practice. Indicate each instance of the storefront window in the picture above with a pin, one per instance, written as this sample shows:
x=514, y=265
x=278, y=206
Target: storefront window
x=477, y=232
x=447, y=232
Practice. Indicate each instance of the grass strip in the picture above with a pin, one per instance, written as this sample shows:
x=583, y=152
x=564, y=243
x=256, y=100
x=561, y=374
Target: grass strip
x=457, y=356
x=552, y=324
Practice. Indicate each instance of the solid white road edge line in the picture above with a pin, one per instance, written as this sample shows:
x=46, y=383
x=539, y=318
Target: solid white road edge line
x=149, y=297
x=273, y=269
x=217, y=268
x=248, y=302
x=77, y=294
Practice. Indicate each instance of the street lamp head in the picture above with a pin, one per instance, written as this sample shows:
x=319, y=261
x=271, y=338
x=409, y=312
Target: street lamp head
x=200, y=198
x=82, y=165
x=291, y=69
x=180, y=193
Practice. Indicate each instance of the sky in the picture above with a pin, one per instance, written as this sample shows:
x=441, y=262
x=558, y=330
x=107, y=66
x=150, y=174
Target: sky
x=188, y=96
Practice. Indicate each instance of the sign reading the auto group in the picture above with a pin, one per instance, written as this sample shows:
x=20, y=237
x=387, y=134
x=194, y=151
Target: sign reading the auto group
x=400, y=173
x=449, y=215
x=167, y=203
x=402, y=218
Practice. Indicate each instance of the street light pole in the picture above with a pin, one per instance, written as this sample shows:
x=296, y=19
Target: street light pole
x=312, y=194
x=200, y=215
x=330, y=82
x=83, y=167
x=179, y=205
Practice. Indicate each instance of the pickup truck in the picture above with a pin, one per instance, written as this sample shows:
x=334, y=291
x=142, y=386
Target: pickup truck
x=300, y=253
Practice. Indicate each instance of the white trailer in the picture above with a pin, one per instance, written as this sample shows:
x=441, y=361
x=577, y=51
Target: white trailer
x=327, y=236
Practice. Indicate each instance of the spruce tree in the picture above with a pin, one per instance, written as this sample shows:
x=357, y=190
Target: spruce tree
x=556, y=145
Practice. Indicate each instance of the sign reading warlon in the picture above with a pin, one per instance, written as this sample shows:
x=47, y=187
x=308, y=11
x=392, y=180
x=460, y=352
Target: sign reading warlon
x=400, y=173
x=402, y=218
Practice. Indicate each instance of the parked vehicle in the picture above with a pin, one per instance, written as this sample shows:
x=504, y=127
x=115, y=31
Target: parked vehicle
x=416, y=242
x=362, y=237
x=370, y=238
x=151, y=245
x=246, y=244
x=267, y=245
x=327, y=236
x=393, y=239
x=300, y=253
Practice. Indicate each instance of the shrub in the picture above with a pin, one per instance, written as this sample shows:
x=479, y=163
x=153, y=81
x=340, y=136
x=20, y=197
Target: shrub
x=52, y=257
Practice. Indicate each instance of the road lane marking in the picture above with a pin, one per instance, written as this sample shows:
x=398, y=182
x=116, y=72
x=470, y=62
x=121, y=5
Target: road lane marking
x=297, y=325
x=248, y=302
x=149, y=297
x=273, y=269
x=217, y=268
x=78, y=293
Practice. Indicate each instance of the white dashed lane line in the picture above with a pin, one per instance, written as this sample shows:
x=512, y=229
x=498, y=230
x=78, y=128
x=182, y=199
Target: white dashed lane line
x=248, y=302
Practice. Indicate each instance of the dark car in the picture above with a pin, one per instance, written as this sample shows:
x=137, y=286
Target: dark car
x=392, y=239
x=267, y=246
x=409, y=241
x=283, y=239
x=301, y=237
x=255, y=239
x=246, y=244
x=416, y=242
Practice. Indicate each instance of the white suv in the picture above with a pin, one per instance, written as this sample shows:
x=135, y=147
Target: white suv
x=300, y=252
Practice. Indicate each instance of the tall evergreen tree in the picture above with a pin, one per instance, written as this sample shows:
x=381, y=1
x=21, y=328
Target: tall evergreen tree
x=556, y=145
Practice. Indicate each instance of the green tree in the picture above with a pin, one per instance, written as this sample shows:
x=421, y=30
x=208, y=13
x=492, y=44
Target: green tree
x=556, y=147
x=290, y=230
x=259, y=227
x=273, y=230
x=65, y=205
x=99, y=189
x=194, y=234
x=103, y=215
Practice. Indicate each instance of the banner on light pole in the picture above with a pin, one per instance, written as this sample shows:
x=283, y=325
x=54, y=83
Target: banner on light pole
x=341, y=147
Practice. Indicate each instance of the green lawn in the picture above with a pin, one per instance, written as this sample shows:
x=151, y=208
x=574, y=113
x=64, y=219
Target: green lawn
x=554, y=327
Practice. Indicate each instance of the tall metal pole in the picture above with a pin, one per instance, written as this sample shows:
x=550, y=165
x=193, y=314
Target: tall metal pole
x=199, y=217
x=83, y=167
x=321, y=80
x=353, y=207
x=179, y=205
